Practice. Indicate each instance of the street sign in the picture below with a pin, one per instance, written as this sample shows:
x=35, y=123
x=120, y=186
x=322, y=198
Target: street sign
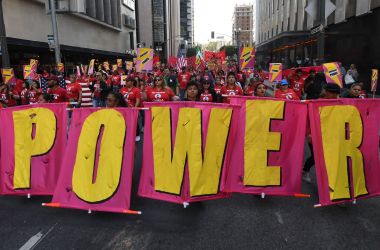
x=317, y=30
x=50, y=37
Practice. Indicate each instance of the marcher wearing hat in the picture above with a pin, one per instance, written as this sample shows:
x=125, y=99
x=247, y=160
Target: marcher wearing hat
x=58, y=94
x=285, y=92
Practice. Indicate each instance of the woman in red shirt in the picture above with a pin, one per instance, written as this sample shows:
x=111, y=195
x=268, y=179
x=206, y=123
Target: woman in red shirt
x=34, y=92
x=249, y=90
x=218, y=85
x=207, y=92
x=131, y=94
x=159, y=92
x=260, y=89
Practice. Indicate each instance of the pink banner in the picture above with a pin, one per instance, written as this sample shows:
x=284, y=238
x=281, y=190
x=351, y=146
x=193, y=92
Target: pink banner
x=32, y=141
x=268, y=150
x=185, y=146
x=99, y=161
x=345, y=136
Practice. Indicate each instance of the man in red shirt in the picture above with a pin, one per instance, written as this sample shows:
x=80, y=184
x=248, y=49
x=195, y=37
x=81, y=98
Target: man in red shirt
x=183, y=78
x=231, y=88
x=115, y=81
x=285, y=92
x=58, y=94
x=74, y=91
x=297, y=83
x=131, y=94
x=34, y=92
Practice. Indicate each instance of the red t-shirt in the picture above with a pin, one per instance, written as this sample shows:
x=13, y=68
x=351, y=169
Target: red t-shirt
x=206, y=97
x=131, y=95
x=250, y=91
x=162, y=95
x=288, y=95
x=33, y=95
x=59, y=94
x=232, y=91
x=297, y=86
x=184, y=78
x=24, y=96
x=73, y=90
x=218, y=89
x=115, y=80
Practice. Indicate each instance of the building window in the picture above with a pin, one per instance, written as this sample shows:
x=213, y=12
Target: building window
x=130, y=4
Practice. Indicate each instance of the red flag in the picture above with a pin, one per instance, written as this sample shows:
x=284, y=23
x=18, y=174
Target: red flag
x=221, y=55
x=191, y=61
x=208, y=55
x=172, y=61
x=156, y=59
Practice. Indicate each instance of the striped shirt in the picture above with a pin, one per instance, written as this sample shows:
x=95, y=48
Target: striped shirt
x=86, y=95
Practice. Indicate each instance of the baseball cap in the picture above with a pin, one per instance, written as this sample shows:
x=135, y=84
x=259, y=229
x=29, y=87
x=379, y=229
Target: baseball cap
x=284, y=82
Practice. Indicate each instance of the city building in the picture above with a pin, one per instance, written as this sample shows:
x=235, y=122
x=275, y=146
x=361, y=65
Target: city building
x=243, y=25
x=158, y=26
x=187, y=21
x=101, y=29
x=290, y=32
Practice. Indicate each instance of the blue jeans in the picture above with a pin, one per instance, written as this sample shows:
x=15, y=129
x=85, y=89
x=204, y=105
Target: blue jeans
x=98, y=102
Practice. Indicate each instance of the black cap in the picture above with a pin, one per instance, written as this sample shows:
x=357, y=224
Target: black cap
x=333, y=88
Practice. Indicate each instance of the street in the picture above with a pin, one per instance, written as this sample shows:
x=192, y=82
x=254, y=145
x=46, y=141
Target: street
x=241, y=222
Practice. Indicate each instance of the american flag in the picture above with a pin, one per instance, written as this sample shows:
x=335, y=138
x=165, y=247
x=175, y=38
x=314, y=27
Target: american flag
x=181, y=62
x=44, y=83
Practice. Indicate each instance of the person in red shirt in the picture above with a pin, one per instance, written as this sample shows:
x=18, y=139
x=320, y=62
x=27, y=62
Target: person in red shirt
x=183, y=78
x=131, y=94
x=297, y=83
x=22, y=95
x=115, y=81
x=160, y=93
x=231, y=89
x=218, y=85
x=34, y=92
x=192, y=92
x=6, y=95
x=249, y=90
x=74, y=91
x=58, y=94
x=207, y=92
x=285, y=92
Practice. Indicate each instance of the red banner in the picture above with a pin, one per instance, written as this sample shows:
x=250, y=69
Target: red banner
x=33, y=139
x=268, y=150
x=98, y=161
x=195, y=168
x=345, y=137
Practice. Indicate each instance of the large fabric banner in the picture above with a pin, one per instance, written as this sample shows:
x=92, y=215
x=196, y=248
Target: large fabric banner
x=99, y=159
x=268, y=149
x=144, y=59
x=32, y=141
x=346, y=147
x=247, y=58
x=184, y=151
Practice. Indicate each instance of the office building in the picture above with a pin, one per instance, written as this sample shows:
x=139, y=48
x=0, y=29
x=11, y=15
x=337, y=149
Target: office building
x=243, y=25
x=102, y=29
x=187, y=21
x=288, y=32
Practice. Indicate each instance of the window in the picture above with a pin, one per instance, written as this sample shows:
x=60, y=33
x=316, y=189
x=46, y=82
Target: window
x=130, y=4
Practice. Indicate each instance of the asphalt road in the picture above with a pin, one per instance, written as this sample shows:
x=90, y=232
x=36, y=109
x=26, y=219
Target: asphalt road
x=242, y=222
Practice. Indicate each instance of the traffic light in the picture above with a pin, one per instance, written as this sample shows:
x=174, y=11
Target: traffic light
x=212, y=34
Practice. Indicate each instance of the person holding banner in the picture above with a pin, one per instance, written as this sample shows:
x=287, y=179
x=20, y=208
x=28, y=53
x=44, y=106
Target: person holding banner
x=218, y=85
x=260, y=89
x=285, y=92
x=99, y=91
x=249, y=89
x=297, y=83
x=115, y=81
x=115, y=100
x=192, y=92
x=184, y=78
x=313, y=85
x=6, y=96
x=232, y=89
x=159, y=92
x=354, y=91
x=207, y=92
x=22, y=96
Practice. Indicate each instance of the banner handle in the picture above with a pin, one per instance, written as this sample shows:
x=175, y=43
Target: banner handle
x=185, y=204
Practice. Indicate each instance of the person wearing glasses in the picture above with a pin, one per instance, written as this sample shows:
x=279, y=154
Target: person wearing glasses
x=159, y=92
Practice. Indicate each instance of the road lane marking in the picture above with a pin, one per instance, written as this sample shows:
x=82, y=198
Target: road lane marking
x=36, y=239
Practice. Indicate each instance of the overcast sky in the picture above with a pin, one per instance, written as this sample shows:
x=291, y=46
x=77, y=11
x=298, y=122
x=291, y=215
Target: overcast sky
x=214, y=15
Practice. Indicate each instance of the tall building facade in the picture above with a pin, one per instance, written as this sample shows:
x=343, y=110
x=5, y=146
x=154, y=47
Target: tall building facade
x=103, y=29
x=187, y=21
x=243, y=28
x=288, y=32
x=158, y=26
